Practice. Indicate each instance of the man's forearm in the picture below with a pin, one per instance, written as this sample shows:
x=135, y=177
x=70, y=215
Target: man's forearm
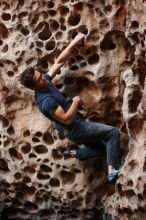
x=66, y=53
x=60, y=61
x=71, y=113
x=64, y=56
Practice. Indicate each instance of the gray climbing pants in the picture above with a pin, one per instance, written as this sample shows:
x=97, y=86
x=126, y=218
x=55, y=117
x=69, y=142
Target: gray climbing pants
x=98, y=139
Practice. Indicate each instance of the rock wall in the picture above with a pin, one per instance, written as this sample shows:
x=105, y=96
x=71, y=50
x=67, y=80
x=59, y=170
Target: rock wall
x=108, y=72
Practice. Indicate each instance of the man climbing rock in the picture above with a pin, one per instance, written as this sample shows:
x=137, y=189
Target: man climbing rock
x=98, y=139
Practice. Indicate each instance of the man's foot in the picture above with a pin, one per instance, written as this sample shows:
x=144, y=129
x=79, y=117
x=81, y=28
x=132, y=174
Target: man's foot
x=69, y=154
x=113, y=176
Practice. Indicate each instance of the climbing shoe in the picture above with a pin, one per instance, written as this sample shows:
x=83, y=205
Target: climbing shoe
x=113, y=176
x=69, y=154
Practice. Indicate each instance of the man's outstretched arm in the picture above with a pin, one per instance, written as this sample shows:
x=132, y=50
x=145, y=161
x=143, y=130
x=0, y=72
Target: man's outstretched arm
x=64, y=56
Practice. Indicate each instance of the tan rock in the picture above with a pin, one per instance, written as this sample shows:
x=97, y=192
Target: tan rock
x=108, y=72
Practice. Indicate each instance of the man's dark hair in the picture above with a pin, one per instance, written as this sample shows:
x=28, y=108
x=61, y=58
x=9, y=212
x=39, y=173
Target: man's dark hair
x=26, y=77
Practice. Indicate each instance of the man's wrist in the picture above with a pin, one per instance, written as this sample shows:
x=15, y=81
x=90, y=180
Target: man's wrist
x=71, y=45
x=74, y=42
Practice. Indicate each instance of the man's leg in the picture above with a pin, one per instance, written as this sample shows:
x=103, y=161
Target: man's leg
x=91, y=131
x=91, y=150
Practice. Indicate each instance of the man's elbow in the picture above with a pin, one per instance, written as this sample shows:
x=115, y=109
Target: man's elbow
x=67, y=121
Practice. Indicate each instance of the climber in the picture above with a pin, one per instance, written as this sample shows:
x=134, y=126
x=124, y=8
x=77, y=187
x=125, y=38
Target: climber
x=98, y=139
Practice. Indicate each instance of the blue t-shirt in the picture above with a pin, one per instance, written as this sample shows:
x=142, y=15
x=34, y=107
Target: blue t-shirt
x=48, y=102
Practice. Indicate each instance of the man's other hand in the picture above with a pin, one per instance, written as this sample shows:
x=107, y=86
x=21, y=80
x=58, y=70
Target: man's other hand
x=77, y=99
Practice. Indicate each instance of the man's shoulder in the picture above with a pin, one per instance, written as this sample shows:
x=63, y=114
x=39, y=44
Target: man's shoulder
x=40, y=96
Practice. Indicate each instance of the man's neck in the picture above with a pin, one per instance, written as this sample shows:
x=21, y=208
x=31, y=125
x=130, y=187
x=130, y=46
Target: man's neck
x=44, y=89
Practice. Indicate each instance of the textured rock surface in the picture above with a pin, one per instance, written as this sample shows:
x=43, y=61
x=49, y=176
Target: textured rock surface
x=109, y=75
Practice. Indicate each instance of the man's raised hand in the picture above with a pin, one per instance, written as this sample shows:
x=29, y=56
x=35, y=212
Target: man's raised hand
x=77, y=99
x=65, y=55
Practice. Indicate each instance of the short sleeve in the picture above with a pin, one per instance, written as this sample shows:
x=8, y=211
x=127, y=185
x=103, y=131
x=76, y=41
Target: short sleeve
x=47, y=76
x=49, y=105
